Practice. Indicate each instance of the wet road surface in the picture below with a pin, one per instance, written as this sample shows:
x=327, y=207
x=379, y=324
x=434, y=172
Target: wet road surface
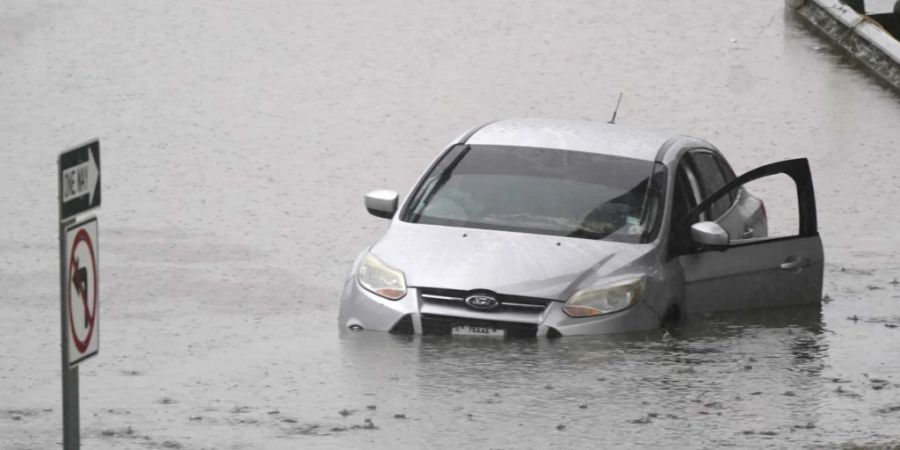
x=238, y=141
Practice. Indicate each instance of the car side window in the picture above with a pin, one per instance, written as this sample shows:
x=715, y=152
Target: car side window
x=711, y=178
x=729, y=176
x=726, y=169
x=683, y=200
x=777, y=202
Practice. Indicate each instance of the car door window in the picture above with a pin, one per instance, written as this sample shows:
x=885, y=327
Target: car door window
x=726, y=169
x=771, y=208
x=734, y=194
x=711, y=178
x=683, y=201
x=785, y=187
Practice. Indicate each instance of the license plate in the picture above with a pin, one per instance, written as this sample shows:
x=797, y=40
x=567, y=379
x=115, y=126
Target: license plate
x=468, y=330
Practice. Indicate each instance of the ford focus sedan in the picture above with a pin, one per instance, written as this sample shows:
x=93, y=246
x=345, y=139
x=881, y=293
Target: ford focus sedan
x=532, y=227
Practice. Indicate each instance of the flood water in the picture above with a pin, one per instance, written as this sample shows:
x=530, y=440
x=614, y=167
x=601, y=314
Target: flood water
x=238, y=139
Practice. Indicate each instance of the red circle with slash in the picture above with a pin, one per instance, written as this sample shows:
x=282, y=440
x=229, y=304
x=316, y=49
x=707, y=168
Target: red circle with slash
x=79, y=279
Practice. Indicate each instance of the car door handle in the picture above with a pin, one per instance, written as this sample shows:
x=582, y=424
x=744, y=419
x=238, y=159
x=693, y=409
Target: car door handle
x=794, y=263
x=748, y=232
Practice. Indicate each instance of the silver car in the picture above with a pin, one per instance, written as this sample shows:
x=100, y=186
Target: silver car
x=529, y=227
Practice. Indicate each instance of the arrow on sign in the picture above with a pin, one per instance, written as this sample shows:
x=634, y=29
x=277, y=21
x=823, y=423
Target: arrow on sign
x=80, y=279
x=81, y=180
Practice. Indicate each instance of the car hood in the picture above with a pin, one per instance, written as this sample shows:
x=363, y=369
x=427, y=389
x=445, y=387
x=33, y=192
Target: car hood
x=501, y=261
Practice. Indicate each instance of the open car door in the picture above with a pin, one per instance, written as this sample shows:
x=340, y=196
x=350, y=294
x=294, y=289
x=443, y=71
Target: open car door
x=757, y=272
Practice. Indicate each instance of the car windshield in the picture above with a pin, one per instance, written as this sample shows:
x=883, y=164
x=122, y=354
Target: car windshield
x=543, y=191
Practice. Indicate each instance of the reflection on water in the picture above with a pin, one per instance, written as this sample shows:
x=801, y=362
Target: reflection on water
x=724, y=379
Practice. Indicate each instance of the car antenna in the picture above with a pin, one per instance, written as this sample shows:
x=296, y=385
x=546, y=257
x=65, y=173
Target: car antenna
x=613, y=120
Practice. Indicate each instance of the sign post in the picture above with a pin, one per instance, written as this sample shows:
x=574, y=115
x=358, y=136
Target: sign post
x=79, y=192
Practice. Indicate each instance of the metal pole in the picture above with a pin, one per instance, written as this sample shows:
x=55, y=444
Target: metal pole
x=71, y=432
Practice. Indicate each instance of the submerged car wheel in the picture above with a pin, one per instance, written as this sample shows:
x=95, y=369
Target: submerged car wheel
x=671, y=318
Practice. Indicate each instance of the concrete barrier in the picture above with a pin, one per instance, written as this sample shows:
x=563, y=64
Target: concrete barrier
x=857, y=34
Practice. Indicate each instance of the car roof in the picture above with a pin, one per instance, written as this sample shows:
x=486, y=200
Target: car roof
x=579, y=135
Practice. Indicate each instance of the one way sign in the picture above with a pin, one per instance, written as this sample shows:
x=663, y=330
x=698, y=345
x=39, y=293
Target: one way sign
x=79, y=175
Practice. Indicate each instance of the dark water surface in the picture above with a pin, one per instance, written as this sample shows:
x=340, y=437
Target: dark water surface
x=238, y=139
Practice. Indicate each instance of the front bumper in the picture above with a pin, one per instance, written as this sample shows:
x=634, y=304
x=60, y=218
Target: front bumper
x=421, y=312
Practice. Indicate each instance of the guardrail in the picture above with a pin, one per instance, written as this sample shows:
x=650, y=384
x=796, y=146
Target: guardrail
x=867, y=38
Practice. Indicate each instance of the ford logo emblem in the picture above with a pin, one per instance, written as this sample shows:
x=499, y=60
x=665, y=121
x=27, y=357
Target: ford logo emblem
x=482, y=302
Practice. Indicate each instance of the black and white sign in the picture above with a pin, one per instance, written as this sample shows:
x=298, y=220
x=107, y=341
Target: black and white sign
x=79, y=177
x=82, y=291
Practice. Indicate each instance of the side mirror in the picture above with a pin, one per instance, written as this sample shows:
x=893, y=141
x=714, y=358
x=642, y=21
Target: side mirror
x=382, y=203
x=710, y=234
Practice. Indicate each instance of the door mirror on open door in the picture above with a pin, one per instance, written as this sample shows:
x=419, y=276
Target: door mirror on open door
x=710, y=234
x=382, y=203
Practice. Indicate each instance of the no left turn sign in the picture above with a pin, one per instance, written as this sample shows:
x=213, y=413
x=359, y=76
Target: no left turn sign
x=81, y=294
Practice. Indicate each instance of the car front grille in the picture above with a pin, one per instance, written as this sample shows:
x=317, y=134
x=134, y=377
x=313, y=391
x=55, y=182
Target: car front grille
x=444, y=309
x=508, y=303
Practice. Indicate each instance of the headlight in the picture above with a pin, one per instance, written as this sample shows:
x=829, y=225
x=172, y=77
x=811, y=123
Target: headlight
x=381, y=279
x=610, y=298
